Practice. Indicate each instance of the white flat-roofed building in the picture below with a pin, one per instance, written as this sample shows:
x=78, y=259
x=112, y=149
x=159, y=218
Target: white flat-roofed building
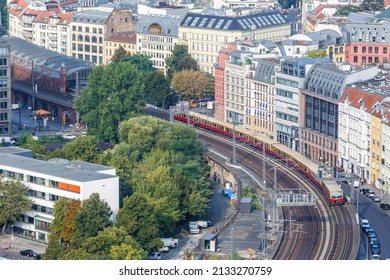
x=50, y=180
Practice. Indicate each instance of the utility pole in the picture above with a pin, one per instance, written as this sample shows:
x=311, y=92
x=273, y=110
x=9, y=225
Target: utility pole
x=234, y=142
x=264, y=175
x=232, y=245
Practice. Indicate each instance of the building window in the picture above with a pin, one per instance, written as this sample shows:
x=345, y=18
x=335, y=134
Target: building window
x=355, y=59
x=384, y=49
x=355, y=49
x=369, y=49
x=364, y=49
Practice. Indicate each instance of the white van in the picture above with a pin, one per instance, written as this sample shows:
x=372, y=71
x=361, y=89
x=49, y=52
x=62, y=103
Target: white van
x=7, y=140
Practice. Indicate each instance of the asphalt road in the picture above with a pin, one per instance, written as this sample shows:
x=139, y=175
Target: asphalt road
x=379, y=220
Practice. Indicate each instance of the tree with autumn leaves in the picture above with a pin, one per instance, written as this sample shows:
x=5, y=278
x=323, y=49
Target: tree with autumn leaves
x=191, y=84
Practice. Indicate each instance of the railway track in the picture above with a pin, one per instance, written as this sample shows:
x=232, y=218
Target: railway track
x=320, y=232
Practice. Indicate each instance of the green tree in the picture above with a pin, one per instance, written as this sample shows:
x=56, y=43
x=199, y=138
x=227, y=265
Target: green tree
x=137, y=218
x=142, y=62
x=110, y=244
x=187, y=62
x=114, y=93
x=346, y=10
x=371, y=5
x=179, y=52
x=13, y=201
x=119, y=54
x=190, y=84
x=93, y=217
x=84, y=148
x=317, y=54
x=156, y=88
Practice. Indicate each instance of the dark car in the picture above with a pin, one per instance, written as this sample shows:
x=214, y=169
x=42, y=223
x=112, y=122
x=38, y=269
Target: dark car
x=37, y=256
x=384, y=206
x=364, y=191
x=375, y=249
x=27, y=252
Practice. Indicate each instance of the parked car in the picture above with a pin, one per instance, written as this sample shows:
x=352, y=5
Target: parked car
x=69, y=136
x=375, y=257
x=376, y=199
x=384, y=206
x=374, y=241
x=27, y=252
x=364, y=191
x=37, y=256
x=364, y=224
x=164, y=249
x=154, y=256
x=371, y=194
x=227, y=192
x=375, y=249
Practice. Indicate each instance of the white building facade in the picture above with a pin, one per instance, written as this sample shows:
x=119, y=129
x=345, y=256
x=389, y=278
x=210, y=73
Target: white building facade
x=50, y=180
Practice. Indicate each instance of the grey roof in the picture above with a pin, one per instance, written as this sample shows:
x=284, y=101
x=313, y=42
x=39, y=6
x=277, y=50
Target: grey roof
x=265, y=70
x=209, y=236
x=352, y=31
x=42, y=56
x=169, y=24
x=326, y=80
x=66, y=170
x=91, y=16
x=258, y=20
x=360, y=17
x=246, y=200
x=268, y=44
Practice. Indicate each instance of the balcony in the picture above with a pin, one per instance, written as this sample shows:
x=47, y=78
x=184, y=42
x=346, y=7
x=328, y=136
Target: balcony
x=53, y=37
x=53, y=44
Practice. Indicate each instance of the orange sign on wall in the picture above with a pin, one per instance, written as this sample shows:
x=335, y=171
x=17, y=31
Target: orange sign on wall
x=69, y=187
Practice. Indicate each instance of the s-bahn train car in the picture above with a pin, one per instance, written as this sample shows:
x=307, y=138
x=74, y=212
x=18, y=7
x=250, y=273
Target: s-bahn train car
x=334, y=193
x=294, y=159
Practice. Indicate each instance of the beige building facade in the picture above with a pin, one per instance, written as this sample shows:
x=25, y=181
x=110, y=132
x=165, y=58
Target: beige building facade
x=205, y=35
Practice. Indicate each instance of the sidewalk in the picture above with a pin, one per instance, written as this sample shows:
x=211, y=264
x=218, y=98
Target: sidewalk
x=20, y=243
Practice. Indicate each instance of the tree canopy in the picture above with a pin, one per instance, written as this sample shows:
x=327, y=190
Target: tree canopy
x=119, y=54
x=190, y=83
x=114, y=93
x=157, y=88
x=317, y=54
x=13, y=201
x=180, y=60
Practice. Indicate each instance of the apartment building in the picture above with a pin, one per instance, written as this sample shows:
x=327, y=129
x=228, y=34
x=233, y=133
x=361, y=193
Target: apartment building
x=22, y=16
x=206, y=34
x=330, y=41
x=367, y=43
x=126, y=40
x=52, y=31
x=157, y=35
x=323, y=87
x=89, y=29
x=363, y=115
x=260, y=97
x=50, y=180
x=386, y=149
x=5, y=89
x=288, y=80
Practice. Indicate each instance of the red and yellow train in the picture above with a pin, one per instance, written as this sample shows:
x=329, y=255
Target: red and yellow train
x=294, y=159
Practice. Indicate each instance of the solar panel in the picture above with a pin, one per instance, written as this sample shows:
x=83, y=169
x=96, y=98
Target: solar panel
x=211, y=23
x=276, y=18
x=202, y=22
x=242, y=24
x=258, y=23
x=219, y=23
x=283, y=20
x=195, y=21
x=228, y=23
x=187, y=20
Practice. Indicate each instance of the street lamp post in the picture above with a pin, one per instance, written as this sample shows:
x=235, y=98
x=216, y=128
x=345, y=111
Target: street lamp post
x=163, y=104
x=12, y=231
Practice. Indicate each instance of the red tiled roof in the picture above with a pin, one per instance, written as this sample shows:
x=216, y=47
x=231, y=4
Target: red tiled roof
x=356, y=95
x=123, y=37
